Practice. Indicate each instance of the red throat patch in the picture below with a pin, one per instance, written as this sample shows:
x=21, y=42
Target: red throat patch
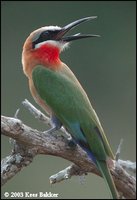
x=47, y=54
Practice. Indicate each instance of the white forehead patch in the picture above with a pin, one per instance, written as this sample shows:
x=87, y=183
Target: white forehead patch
x=45, y=28
x=50, y=28
x=59, y=44
x=35, y=34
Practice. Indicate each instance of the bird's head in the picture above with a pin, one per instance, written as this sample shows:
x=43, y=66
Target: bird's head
x=44, y=45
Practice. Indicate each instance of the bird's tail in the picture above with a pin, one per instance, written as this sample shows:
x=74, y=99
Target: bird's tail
x=103, y=168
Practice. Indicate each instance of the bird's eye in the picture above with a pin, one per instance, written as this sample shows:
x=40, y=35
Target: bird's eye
x=45, y=33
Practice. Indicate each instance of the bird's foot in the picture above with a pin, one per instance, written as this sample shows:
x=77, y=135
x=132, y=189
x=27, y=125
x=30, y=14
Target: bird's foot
x=71, y=143
x=55, y=123
x=51, y=130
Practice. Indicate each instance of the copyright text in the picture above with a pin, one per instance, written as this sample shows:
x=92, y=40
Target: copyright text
x=31, y=195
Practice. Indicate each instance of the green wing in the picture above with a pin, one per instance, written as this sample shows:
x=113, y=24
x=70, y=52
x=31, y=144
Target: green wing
x=67, y=99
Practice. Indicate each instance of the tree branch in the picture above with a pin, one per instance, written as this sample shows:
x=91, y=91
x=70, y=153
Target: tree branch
x=31, y=142
x=13, y=163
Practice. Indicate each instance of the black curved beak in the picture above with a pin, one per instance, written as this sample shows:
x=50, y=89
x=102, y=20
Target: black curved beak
x=77, y=36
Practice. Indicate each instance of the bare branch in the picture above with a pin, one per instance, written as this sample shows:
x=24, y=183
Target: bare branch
x=118, y=150
x=16, y=113
x=35, y=112
x=30, y=142
x=12, y=164
x=49, y=144
x=128, y=166
x=67, y=173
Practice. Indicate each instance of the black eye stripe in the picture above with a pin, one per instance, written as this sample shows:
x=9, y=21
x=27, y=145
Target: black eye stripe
x=44, y=36
x=41, y=38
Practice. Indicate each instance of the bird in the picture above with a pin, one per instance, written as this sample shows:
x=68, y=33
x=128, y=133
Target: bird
x=57, y=90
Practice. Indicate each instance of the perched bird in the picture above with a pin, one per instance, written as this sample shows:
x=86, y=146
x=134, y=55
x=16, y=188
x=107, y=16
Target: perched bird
x=56, y=89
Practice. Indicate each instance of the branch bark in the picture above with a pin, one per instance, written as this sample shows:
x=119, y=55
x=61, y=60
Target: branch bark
x=31, y=142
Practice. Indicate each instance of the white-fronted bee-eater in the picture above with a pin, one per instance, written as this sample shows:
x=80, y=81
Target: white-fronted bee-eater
x=56, y=89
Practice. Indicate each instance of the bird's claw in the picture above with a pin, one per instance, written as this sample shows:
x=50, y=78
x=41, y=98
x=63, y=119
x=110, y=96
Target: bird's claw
x=71, y=143
x=51, y=130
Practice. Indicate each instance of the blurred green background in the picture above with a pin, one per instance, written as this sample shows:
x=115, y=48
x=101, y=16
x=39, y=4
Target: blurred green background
x=105, y=67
